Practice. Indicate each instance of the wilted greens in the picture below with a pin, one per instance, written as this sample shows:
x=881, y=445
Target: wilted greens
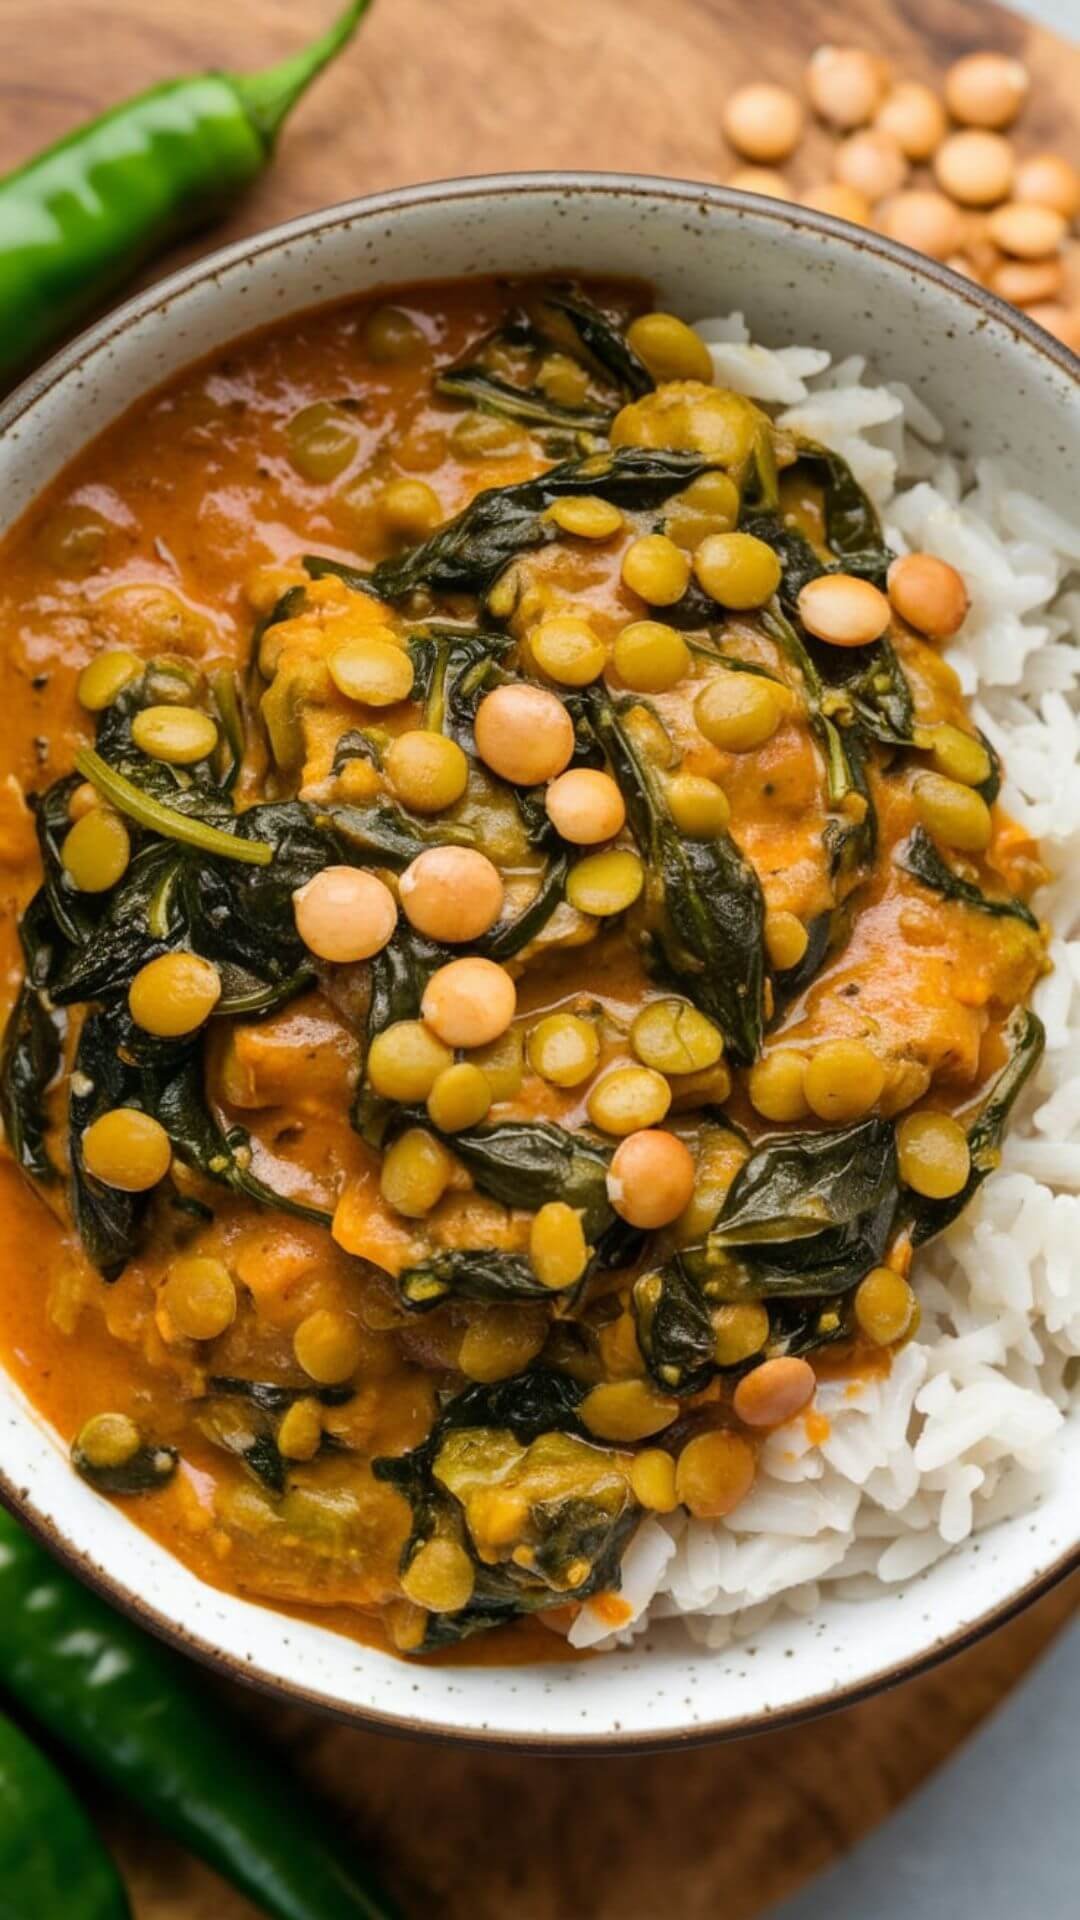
x=1025, y=1038
x=145, y=1471
x=921, y=858
x=562, y=318
x=703, y=915
x=470, y=551
x=805, y=1219
x=577, y=1508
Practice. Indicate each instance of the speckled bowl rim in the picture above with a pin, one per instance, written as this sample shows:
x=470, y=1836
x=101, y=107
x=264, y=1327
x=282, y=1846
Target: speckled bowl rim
x=157, y=298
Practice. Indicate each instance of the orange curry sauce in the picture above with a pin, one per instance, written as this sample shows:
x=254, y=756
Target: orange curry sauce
x=156, y=540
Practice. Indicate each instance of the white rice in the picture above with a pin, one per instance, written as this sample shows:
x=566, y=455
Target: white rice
x=961, y=1433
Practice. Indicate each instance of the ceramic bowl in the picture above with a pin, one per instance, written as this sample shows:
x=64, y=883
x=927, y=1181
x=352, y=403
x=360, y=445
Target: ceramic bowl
x=1003, y=388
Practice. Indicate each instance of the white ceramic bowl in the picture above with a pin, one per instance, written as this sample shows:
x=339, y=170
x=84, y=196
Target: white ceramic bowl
x=1002, y=387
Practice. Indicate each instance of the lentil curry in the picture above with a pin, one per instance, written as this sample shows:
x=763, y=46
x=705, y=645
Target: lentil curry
x=517, y=948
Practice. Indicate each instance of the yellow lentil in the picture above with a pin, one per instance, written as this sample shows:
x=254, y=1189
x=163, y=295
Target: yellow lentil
x=557, y=1247
x=885, y=1306
x=96, y=851
x=628, y=1098
x=843, y=1080
x=672, y=1036
x=178, y=735
x=415, y=1173
x=656, y=569
x=713, y=1473
x=563, y=1048
x=106, y=676
x=739, y=1331
x=933, y=1153
x=327, y=1346
x=626, y=1410
x=174, y=994
x=605, y=883
x=440, y=1577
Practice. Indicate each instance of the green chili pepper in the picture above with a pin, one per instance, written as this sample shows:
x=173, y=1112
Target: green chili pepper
x=136, y=1715
x=80, y=218
x=52, y=1864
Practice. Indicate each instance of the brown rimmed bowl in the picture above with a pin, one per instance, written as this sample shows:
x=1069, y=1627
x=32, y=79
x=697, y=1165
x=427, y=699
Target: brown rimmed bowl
x=1003, y=388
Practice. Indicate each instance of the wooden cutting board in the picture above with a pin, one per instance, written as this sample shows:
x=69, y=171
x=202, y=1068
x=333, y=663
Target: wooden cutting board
x=435, y=88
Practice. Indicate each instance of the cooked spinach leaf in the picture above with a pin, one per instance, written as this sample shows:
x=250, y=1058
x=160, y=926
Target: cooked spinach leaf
x=572, y=321
x=107, y=1220
x=881, y=698
x=470, y=551
x=242, y=917
x=151, y=1467
x=453, y=671
x=250, y=1436
x=568, y=1535
x=807, y=1214
x=529, y=405
x=41, y=941
x=464, y=1273
x=508, y=937
x=527, y=1405
x=319, y=567
x=799, y=1327
x=29, y=1057
x=703, y=907
x=871, y=678
x=251, y=1433
x=852, y=527
x=1025, y=1038
x=579, y=1512
x=523, y=1165
x=673, y=1316
x=383, y=834
x=562, y=317
x=826, y=933
x=174, y=821
x=117, y=1066
x=850, y=834
x=137, y=921
x=269, y=1397
x=73, y=913
x=176, y=1096
x=237, y=916
x=399, y=974
x=921, y=858
x=674, y=1330
x=190, y=789
x=526, y=1163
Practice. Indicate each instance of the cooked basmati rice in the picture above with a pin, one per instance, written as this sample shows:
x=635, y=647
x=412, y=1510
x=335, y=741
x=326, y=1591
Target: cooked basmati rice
x=961, y=1434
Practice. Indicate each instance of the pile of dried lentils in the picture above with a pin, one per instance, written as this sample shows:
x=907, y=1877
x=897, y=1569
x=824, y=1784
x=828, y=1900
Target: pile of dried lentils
x=937, y=172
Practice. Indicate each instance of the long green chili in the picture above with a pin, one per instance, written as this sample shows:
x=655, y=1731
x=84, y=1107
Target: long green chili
x=52, y=1864
x=136, y=1715
x=81, y=218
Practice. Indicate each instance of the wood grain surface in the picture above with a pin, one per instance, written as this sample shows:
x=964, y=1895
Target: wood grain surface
x=435, y=88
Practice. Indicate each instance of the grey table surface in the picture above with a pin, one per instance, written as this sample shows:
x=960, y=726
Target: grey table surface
x=994, y=1835
x=1062, y=15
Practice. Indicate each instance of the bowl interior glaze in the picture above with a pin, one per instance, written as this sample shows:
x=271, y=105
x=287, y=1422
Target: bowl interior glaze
x=1002, y=388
